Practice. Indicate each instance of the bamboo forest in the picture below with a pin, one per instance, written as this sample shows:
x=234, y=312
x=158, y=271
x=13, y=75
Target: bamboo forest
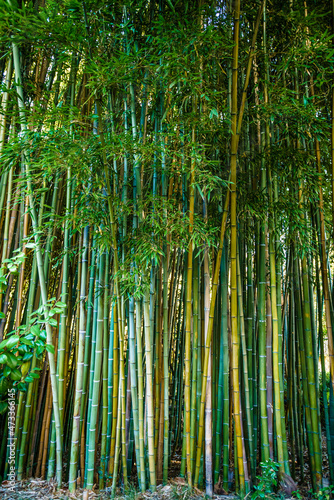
x=166, y=246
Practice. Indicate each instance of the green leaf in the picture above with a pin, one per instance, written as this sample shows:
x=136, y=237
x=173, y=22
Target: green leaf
x=35, y=330
x=15, y=374
x=22, y=386
x=42, y=335
x=200, y=191
x=50, y=348
x=39, y=352
x=26, y=341
x=39, y=310
x=213, y=112
x=57, y=310
x=30, y=336
x=4, y=385
x=23, y=349
x=6, y=371
x=3, y=407
x=10, y=342
x=3, y=359
x=27, y=356
x=11, y=360
x=60, y=304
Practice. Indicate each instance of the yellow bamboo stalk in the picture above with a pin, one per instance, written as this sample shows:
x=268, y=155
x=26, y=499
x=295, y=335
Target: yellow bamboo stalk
x=187, y=360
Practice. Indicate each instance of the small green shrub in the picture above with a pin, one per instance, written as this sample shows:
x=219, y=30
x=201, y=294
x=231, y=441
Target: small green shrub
x=268, y=481
x=22, y=344
x=326, y=493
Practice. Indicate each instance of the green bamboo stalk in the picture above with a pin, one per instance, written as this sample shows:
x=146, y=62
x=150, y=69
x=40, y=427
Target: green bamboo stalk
x=134, y=391
x=39, y=258
x=193, y=430
x=234, y=298
x=97, y=375
x=140, y=390
x=105, y=407
x=80, y=368
x=208, y=404
x=187, y=360
x=149, y=393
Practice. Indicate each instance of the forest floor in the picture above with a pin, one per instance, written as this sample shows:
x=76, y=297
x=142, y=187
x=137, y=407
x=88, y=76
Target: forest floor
x=37, y=489
x=175, y=489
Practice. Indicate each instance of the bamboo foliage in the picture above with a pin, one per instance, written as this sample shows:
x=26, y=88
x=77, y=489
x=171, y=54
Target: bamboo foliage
x=165, y=242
